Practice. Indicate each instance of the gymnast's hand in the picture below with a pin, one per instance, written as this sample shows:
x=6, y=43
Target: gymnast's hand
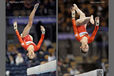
x=73, y=12
x=15, y=25
x=97, y=21
x=42, y=29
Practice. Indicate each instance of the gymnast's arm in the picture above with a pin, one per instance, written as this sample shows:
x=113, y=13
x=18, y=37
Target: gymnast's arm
x=95, y=30
x=42, y=38
x=77, y=36
x=18, y=35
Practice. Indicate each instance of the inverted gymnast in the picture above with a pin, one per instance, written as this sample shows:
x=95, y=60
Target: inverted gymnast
x=26, y=39
x=79, y=27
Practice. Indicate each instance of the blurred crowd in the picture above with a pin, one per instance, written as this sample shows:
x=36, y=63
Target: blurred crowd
x=16, y=57
x=72, y=61
x=24, y=7
x=71, y=66
x=89, y=7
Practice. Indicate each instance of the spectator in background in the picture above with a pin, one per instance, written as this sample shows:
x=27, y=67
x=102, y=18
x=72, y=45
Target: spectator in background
x=46, y=58
x=7, y=73
x=11, y=59
x=11, y=53
x=19, y=59
x=45, y=7
x=51, y=57
x=52, y=7
x=28, y=4
x=66, y=74
x=74, y=71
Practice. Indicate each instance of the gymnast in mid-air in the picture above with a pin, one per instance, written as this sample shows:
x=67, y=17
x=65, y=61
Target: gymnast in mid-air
x=26, y=39
x=79, y=27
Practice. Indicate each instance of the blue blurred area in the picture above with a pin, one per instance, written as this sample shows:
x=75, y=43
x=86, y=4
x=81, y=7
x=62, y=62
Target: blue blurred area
x=24, y=20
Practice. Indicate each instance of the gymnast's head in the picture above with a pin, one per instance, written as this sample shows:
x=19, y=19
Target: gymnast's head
x=31, y=54
x=84, y=45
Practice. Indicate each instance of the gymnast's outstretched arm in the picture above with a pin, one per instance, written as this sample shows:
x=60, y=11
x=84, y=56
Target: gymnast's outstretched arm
x=77, y=36
x=95, y=30
x=18, y=35
x=42, y=37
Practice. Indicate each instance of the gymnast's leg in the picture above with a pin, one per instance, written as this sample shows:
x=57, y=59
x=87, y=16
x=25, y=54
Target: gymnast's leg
x=29, y=25
x=83, y=19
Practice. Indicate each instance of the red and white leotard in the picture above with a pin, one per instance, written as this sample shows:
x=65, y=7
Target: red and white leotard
x=27, y=40
x=80, y=32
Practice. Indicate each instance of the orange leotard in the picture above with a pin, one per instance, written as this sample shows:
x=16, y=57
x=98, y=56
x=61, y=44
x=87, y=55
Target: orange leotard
x=26, y=41
x=81, y=29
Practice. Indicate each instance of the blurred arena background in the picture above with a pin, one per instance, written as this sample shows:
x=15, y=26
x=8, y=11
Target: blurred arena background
x=16, y=60
x=71, y=61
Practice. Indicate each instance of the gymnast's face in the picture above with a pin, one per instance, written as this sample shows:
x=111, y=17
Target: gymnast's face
x=31, y=53
x=84, y=47
x=84, y=44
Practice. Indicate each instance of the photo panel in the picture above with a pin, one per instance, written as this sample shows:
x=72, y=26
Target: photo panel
x=30, y=37
x=83, y=38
